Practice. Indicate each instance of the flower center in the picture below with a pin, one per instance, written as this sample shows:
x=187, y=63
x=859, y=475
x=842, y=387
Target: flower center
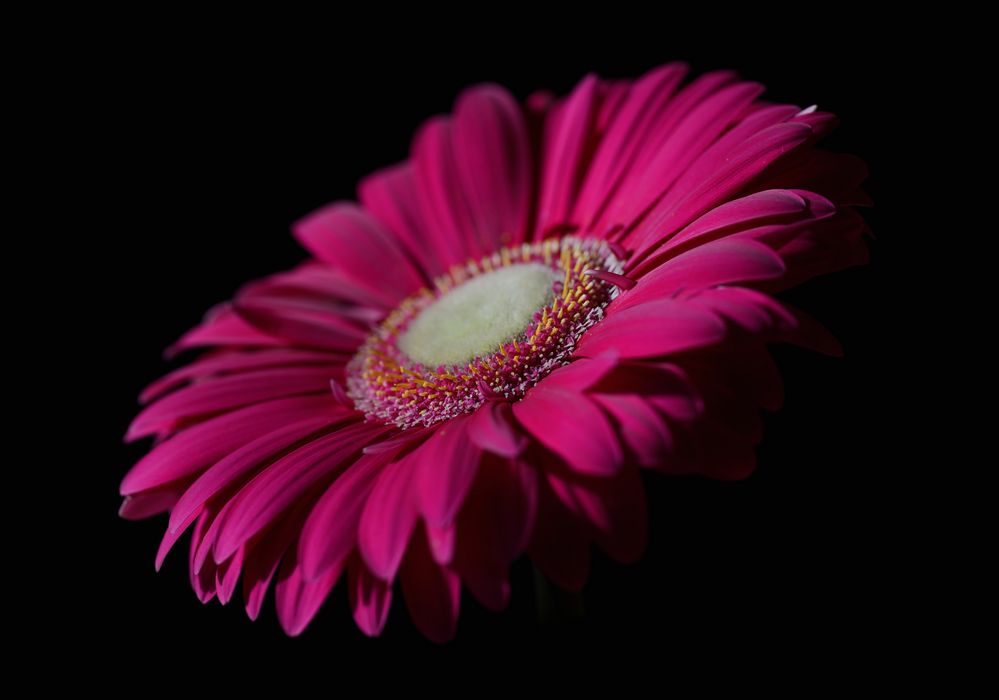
x=492, y=327
x=479, y=316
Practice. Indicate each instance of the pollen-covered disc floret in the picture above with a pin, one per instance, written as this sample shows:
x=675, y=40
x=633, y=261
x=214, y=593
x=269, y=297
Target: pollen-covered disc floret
x=492, y=327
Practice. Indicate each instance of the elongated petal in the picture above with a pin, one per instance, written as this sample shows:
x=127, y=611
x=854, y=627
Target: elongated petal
x=245, y=459
x=493, y=162
x=227, y=393
x=152, y=502
x=299, y=600
x=389, y=518
x=265, y=554
x=583, y=372
x=330, y=533
x=432, y=592
x=227, y=575
x=223, y=326
x=492, y=429
x=643, y=430
x=494, y=527
x=391, y=197
x=652, y=329
x=279, y=485
x=573, y=427
x=443, y=205
x=370, y=599
x=232, y=363
x=559, y=546
x=716, y=263
x=200, y=446
x=567, y=138
x=693, y=134
x=345, y=237
x=626, y=134
x=697, y=193
x=447, y=464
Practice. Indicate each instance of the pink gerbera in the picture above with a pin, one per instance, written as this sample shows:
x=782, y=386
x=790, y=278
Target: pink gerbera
x=480, y=357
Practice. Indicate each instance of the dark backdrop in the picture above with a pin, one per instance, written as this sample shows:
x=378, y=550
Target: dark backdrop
x=218, y=139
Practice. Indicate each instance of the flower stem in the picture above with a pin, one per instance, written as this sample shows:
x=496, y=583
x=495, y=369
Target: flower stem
x=556, y=606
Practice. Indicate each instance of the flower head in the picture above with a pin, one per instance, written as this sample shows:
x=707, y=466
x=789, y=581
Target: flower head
x=481, y=356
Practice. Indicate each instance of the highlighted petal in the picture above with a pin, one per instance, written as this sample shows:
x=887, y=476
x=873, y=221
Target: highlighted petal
x=370, y=599
x=345, y=237
x=653, y=329
x=299, y=600
x=720, y=262
x=330, y=533
x=447, y=465
x=494, y=164
x=278, y=486
x=492, y=429
x=573, y=427
x=227, y=393
x=200, y=446
x=389, y=518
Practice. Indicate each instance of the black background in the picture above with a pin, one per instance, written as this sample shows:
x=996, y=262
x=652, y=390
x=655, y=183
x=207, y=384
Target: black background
x=217, y=139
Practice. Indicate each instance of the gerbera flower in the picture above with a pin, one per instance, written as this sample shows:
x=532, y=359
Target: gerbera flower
x=482, y=354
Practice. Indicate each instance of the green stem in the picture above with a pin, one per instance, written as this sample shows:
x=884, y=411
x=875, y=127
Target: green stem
x=556, y=606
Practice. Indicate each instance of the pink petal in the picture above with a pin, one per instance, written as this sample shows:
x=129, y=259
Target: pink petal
x=345, y=237
x=763, y=316
x=145, y=504
x=370, y=599
x=492, y=429
x=432, y=592
x=303, y=321
x=494, y=527
x=441, y=542
x=231, y=363
x=642, y=429
x=616, y=510
x=493, y=161
x=299, y=600
x=567, y=138
x=390, y=196
x=725, y=261
x=170, y=538
x=389, y=518
x=573, y=427
x=773, y=215
x=222, y=326
x=445, y=211
x=321, y=283
x=697, y=130
x=227, y=393
x=620, y=208
x=227, y=575
x=278, y=486
x=243, y=460
x=582, y=373
x=559, y=546
x=655, y=328
x=625, y=135
x=330, y=533
x=202, y=445
x=837, y=176
x=446, y=465
x=697, y=193
x=202, y=578
x=265, y=555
